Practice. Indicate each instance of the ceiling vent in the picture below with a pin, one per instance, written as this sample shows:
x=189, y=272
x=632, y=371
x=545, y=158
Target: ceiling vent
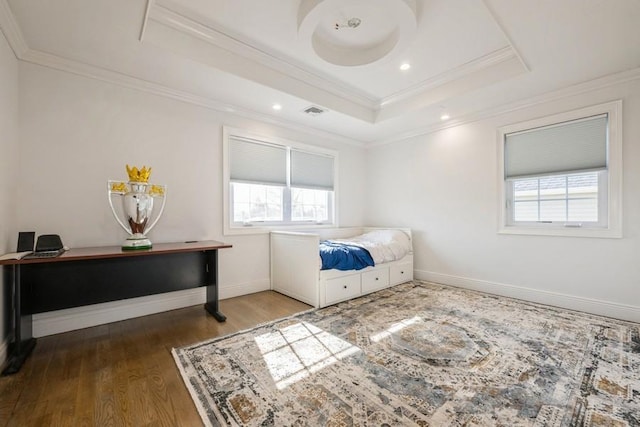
x=314, y=111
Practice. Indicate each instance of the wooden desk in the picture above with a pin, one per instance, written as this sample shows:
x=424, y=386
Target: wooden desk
x=84, y=276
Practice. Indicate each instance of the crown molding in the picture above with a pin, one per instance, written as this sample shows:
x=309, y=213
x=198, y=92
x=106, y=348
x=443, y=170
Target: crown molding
x=11, y=30
x=147, y=10
x=123, y=80
x=262, y=62
x=506, y=35
x=13, y=34
x=570, y=91
x=262, y=55
x=99, y=73
x=506, y=62
x=449, y=76
x=120, y=79
x=490, y=70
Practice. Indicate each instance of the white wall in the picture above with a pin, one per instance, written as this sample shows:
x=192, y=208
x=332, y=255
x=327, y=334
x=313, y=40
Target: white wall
x=8, y=156
x=78, y=132
x=444, y=186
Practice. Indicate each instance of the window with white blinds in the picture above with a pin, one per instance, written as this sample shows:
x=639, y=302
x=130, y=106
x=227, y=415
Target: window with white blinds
x=311, y=170
x=256, y=162
x=574, y=146
x=561, y=175
x=271, y=183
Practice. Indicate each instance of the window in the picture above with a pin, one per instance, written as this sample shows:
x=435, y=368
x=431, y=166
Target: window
x=562, y=175
x=257, y=203
x=273, y=183
x=569, y=198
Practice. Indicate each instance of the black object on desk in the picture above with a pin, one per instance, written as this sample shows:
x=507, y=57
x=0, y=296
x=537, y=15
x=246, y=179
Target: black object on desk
x=86, y=276
x=25, y=241
x=49, y=243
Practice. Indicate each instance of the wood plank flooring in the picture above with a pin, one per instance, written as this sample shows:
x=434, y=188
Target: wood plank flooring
x=122, y=373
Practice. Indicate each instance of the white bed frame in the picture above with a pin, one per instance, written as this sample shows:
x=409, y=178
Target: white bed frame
x=295, y=268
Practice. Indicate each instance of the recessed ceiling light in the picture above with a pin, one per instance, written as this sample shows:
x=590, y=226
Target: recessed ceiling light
x=405, y=66
x=277, y=107
x=444, y=117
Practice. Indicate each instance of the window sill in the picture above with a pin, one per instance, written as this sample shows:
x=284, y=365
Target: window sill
x=264, y=229
x=606, y=233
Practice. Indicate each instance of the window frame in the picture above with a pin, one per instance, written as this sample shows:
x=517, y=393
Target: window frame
x=613, y=180
x=231, y=227
x=603, y=189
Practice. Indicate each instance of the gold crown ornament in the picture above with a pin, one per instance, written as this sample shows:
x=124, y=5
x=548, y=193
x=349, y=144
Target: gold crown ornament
x=118, y=187
x=138, y=175
x=156, y=190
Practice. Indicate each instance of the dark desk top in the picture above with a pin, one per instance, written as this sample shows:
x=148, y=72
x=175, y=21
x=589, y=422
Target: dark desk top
x=76, y=254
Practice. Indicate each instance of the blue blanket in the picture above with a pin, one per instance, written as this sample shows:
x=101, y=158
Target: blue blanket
x=341, y=256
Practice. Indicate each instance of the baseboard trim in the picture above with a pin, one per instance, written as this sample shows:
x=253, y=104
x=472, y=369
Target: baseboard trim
x=55, y=322
x=246, y=288
x=572, y=302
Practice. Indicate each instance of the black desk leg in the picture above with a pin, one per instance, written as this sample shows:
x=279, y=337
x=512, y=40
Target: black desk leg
x=212, y=286
x=21, y=342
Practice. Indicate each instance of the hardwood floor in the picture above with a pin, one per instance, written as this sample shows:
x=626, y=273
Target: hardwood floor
x=123, y=373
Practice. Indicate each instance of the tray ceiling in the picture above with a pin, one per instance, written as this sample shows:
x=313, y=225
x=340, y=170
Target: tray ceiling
x=342, y=56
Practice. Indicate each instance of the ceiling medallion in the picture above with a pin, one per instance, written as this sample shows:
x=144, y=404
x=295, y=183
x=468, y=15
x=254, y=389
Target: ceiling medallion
x=356, y=32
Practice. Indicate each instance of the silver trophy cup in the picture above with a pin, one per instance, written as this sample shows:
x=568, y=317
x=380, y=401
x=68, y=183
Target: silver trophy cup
x=136, y=211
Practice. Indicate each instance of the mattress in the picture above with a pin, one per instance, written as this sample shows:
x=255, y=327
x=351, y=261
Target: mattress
x=383, y=246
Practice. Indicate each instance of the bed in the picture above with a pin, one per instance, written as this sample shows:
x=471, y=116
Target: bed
x=296, y=264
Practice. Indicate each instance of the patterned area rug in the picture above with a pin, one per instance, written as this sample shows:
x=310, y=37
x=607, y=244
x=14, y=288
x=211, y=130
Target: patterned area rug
x=421, y=354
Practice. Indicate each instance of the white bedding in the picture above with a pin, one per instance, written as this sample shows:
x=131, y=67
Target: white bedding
x=383, y=245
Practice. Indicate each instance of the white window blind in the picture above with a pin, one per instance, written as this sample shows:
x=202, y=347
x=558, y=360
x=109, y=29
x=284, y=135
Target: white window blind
x=271, y=183
x=310, y=170
x=257, y=162
x=573, y=146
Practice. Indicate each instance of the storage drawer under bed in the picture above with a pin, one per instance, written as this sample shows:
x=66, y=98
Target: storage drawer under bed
x=400, y=273
x=342, y=288
x=375, y=280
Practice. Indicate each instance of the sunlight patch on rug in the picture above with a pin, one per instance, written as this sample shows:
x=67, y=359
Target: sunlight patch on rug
x=296, y=351
x=396, y=327
x=425, y=355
